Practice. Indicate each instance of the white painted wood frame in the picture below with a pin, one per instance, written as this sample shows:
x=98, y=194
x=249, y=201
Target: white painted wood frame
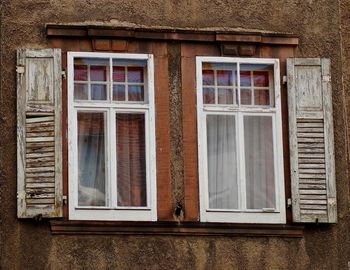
x=112, y=211
x=241, y=215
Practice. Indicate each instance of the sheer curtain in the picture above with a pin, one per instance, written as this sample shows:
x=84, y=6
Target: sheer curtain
x=91, y=159
x=222, y=162
x=259, y=162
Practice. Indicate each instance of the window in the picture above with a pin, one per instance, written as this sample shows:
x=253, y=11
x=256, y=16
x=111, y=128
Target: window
x=240, y=140
x=111, y=137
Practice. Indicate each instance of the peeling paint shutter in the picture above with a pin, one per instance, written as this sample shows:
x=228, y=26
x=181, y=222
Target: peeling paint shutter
x=39, y=140
x=311, y=140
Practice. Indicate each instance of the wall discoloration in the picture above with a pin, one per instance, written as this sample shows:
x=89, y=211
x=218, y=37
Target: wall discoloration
x=30, y=245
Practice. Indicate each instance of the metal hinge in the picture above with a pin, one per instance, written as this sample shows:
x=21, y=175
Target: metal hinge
x=284, y=79
x=20, y=69
x=326, y=78
x=64, y=199
x=63, y=73
x=289, y=202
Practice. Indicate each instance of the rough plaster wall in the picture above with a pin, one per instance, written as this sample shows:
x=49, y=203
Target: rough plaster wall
x=29, y=245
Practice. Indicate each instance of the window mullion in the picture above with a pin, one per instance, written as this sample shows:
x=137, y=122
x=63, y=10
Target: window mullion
x=113, y=158
x=242, y=172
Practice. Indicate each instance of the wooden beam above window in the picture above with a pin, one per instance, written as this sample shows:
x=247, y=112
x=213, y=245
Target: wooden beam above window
x=173, y=34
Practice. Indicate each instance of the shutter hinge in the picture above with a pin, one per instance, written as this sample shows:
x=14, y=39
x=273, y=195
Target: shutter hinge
x=63, y=73
x=289, y=203
x=64, y=199
x=326, y=78
x=20, y=69
x=284, y=79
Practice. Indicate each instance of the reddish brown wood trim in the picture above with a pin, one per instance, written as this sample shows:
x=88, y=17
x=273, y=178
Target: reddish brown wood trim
x=53, y=30
x=189, y=51
x=164, y=201
x=174, y=228
x=238, y=38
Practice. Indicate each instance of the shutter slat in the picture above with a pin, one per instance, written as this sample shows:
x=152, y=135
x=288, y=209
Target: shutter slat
x=39, y=178
x=311, y=140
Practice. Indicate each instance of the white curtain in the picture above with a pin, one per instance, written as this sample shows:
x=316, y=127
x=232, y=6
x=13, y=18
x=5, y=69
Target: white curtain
x=259, y=162
x=91, y=159
x=222, y=162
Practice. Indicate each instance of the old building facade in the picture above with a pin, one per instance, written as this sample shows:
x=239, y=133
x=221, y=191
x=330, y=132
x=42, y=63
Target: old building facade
x=221, y=128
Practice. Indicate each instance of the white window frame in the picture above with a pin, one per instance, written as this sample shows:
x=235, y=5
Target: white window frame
x=242, y=215
x=112, y=212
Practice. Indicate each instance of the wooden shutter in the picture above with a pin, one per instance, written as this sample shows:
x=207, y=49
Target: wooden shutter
x=39, y=140
x=311, y=140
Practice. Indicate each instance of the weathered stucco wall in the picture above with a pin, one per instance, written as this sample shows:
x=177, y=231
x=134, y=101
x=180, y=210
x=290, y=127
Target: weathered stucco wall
x=30, y=245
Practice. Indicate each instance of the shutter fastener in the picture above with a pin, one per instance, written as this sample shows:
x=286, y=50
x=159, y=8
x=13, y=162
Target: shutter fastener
x=284, y=79
x=64, y=199
x=20, y=69
x=326, y=78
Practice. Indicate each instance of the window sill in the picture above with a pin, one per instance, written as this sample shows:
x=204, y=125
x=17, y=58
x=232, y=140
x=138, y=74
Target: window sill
x=174, y=228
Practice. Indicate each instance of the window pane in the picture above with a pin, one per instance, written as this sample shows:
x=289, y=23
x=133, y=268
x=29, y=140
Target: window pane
x=81, y=91
x=135, y=74
x=261, y=78
x=246, y=96
x=135, y=93
x=209, y=95
x=225, y=96
x=131, y=160
x=261, y=97
x=91, y=159
x=259, y=162
x=245, y=78
x=119, y=92
x=222, y=162
x=119, y=74
x=98, y=73
x=224, y=77
x=98, y=92
x=208, y=77
x=80, y=72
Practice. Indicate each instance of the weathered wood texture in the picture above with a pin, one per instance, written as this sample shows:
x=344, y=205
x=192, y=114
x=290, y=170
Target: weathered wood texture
x=39, y=139
x=311, y=140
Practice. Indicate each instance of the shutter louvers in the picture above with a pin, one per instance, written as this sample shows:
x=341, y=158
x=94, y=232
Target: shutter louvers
x=311, y=140
x=39, y=140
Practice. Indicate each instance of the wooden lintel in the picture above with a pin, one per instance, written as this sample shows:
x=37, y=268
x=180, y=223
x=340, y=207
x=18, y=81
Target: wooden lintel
x=87, y=31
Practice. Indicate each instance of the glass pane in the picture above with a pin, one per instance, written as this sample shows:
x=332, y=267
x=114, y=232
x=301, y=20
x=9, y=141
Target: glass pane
x=246, y=97
x=119, y=74
x=131, y=160
x=208, y=95
x=224, y=77
x=261, y=97
x=80, y=72
x=225, y=96
x=81, y=91
x=135, y=93
x=98, y=73
x=98, y=92
x=208, y=77
x=119, y=92
x=259, y=162
x=261, y=78
x=222, y=162
x=91, y=159
x=135, y=74
x=245, y=78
